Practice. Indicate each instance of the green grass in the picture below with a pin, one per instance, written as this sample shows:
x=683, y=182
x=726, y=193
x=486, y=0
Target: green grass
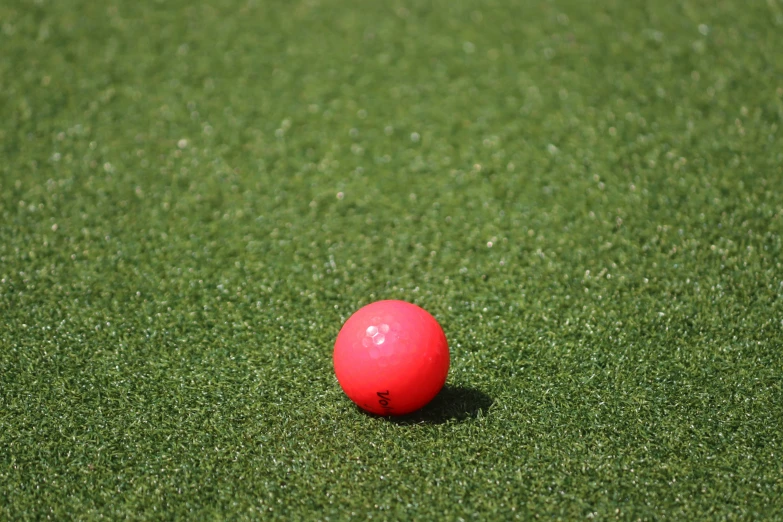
x=589, y=198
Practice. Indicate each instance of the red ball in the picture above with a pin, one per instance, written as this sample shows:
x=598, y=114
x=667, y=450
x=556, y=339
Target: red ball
x=391, y=357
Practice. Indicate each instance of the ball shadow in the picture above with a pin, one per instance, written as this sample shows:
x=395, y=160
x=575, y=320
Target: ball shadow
x=453, y=403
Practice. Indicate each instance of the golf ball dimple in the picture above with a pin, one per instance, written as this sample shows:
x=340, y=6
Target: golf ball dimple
x=391, y=357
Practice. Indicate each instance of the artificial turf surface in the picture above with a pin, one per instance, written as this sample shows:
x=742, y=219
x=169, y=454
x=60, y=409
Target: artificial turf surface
x=588, y=196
